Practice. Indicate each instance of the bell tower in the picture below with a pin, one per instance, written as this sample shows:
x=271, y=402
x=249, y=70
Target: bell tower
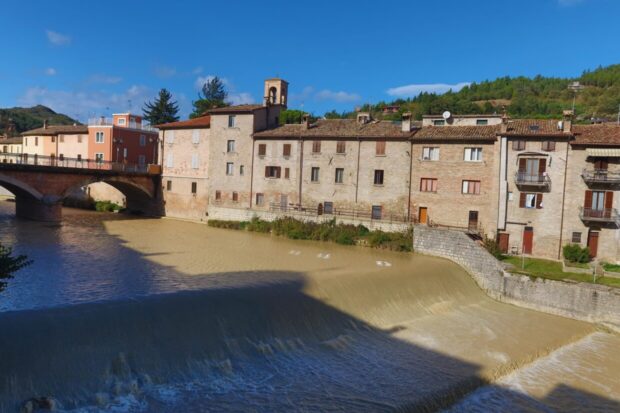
x=276, y=92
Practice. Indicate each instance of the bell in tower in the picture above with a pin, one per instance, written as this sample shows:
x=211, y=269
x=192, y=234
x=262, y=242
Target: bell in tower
x=276, y=91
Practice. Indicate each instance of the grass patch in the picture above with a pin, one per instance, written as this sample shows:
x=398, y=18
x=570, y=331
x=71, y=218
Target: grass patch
x=107, y=206
x=611, y=267
x=324, y=231
x=536, y=267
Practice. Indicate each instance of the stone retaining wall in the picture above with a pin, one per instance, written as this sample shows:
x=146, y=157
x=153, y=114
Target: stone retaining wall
x=246, y=214
x=581, y=301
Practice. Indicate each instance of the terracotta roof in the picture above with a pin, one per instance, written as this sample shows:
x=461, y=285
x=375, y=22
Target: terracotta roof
x=235, y=109
x=199, y=122
x=57, y=129
x=534, y=127
x=14, y=140
x=458, y=132
x=600, y=134
x=495, y=115
x=338, y=128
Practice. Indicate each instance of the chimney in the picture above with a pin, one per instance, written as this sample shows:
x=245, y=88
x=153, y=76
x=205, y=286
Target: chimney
x=567, y=123
x=45, y=124
x=406, y=122
x=504, y=126
x=363, y=117
x=305, y=120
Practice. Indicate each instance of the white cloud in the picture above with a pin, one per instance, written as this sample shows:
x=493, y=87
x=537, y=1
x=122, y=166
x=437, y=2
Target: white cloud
x=50, y=71
x=57, y=39
x=105, y=79
x=240, y=98
x=416, y=89
x=165, y=71
x=201, y=80
x=84, y=104
x=309, y=93
x=198, y=70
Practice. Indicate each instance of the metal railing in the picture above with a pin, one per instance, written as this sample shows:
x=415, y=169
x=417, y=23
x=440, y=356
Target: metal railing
x=537, y=179
x=337, y=212
x=78, y=163
x=601, y=176
x=103, y=121
x=599, y=215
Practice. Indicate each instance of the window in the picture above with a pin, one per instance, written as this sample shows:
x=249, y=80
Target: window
x=169, y=160
x=473, y=154
x=314, y=175
x=141, y=159
x=528, y=200
x=339, y=175
x=194, y=188
x=262, y=149
x=548, y=146
x=61, y=138
x=439, y=122
x=272, y=171
x=232, y=121
x=380, y=148
x=99, y=157
x=79, y=157
x=235, y=197
x=428, y=185
x=53, y=139
x=316, y=146
x=518, y=145
x=341, y=147
x=376, y=211
x=287, y=173
x=195, y=137
x=260, y=199
x=218, y=195
x=471, y=187
x=286, y=150
x=142, y=140
x=99, y=137
x=229, y=168
x=169, y=136
x=124, y=152
x=241, y=170
x=36, y=141
x=378, y=177
x=328, y=207
x=230, y=146
x=121, y=121
x=168, y=185
x=482, y=122
x=195, y=161
x=576, y=238
x=430, y=154
x=79, y=138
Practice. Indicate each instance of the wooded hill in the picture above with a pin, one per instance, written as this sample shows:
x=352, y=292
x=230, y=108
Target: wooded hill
x=538, y=97
x=18, y=120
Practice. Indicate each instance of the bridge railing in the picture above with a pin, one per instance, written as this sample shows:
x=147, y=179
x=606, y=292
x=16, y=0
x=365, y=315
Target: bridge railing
x=79, y=163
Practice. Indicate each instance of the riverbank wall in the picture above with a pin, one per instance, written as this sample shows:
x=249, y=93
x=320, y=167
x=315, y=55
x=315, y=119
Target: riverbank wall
x=587, y=302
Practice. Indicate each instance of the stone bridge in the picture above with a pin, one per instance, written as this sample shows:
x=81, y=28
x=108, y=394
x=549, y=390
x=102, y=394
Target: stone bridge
x=40, y=184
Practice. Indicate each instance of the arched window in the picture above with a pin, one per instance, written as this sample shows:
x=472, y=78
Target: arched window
x=272, y=94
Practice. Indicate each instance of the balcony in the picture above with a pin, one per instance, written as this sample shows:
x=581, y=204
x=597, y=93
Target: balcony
x=603, y=216
x=103, y=121
x=526, y=179
x=601, y=177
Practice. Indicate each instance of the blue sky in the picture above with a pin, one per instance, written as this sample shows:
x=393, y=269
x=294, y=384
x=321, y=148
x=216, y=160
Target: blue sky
x=87, y=58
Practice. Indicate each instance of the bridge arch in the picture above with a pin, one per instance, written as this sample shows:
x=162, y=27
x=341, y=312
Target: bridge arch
x=19, y=188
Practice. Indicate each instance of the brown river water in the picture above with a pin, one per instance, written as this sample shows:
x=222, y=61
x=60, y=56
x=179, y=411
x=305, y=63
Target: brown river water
x=125, y=314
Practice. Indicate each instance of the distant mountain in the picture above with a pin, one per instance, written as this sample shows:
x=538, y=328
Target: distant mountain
x=17, y=120
x=537, y=97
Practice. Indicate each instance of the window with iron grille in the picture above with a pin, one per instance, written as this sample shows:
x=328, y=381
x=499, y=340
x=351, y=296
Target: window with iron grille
x=576, y=238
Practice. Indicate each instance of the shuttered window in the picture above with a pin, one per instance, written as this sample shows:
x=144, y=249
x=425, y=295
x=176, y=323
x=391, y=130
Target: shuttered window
x=428, y=185
x=195, y=136
x=518, y=145
x=235, y=197
x=194, y=187
x=287, y=173
x=316, y=146
x=195, y=161
x=262, y=149
x=272, y=171
x=531, y=200
x=548, y=146
x=471, y=187
x=341, y=147
x=286, y=149
x=169, y=136
x=169, y=161
x=380, y=149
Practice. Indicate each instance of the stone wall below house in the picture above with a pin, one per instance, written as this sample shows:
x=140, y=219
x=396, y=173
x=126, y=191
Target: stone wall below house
x=587, y=302
x=246, y=214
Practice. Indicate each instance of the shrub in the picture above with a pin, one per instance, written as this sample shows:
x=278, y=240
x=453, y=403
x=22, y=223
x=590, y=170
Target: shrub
x=10, y=264
x=216, y=223
x=492, y=246
x=258, y=225
x=575, y=253
x=107, y=206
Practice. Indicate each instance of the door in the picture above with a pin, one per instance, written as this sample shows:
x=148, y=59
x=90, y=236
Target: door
x=283, y=202
x=473, y=221
x=423, y=215
x=593, y=243
x=528, y=240
x=503, y=241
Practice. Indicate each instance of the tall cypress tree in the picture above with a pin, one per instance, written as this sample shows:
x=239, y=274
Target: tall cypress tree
x=163, y=110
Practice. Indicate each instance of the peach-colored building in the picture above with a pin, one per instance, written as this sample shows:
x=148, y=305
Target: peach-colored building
x=60, y=141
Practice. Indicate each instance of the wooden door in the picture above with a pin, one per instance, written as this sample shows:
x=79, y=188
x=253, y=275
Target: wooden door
x=283, y=202
x=503, y=241
x=473, y=221
x=593, y=243
x=423, y=214
x=528, y=240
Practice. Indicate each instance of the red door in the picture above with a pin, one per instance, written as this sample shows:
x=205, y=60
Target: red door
x=503, y=241
x=593, y=243
x=528, y=240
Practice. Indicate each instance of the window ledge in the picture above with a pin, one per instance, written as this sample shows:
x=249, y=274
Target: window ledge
x=378, y=185
x=381, y=156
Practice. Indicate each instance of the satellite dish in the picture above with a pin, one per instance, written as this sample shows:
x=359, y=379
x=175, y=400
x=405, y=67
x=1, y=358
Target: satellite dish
x=447, y=115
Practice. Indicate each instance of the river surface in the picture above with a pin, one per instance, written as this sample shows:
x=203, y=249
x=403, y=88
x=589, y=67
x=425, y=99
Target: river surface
x=125, y=314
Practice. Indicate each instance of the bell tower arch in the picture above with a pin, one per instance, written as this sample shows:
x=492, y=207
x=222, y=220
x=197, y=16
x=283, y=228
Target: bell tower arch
x=276, y=92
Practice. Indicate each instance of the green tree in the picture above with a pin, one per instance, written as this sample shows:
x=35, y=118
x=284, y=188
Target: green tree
x=10, y=264
x=163, y=110
x=213, y=95
x=290, y=116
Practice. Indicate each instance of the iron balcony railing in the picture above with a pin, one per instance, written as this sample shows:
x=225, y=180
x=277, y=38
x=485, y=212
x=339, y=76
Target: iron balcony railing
x=609, y=215
x=78, y=163
x=103, y=121
x=601, y=176
x=529, y=179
